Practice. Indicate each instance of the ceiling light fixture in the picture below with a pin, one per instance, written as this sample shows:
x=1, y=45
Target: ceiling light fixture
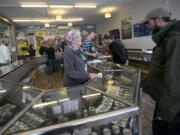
x=46, y=25
x=48, y=20
x=58, y=17
x=61, y=6
x=34, y=5
x=107, y=15
x=70, y=24
x=84, y=6
x=72, y=20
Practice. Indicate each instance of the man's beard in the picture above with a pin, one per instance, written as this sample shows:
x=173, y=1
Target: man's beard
x=155, y=29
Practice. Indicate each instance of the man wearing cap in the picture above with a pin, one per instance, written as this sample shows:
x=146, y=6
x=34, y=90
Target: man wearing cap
x=164, y=76
x=5, y=56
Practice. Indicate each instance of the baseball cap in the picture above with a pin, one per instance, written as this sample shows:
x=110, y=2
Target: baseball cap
x=156, y=12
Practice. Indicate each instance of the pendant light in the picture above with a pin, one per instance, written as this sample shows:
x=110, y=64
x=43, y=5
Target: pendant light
x=46, y=25
x=107, y=14
x=70, y=24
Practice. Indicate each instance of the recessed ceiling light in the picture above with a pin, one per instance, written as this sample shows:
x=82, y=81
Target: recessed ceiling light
x=34, y=5
x=61, y=6
x=33, y=20
x=107, y=15
x=70, y=24
x=48, y=20
x=72, y=20
x=84, y=6
x=46, y=25
x=59, y=17
x=108, y=9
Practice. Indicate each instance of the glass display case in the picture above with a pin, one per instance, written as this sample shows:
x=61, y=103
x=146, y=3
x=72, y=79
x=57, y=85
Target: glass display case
x=103, y=106
x=8, y=68
x=14, y=100
x=140, y=58
x=60, y=111
x=143, y=55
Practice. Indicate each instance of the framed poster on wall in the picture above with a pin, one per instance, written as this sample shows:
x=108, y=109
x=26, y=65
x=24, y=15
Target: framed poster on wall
x=141, y=30
x=126, y=26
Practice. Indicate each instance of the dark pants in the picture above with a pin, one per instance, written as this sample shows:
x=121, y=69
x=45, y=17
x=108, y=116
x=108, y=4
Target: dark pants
x=51, y=65
x=163, y=127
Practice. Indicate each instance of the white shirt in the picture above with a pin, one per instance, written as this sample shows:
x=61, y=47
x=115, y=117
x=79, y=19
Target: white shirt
x=5, y=55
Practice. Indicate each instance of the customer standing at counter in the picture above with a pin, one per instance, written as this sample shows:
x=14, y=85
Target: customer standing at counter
x=75, y=62
x=42, y=49
x=51, y=58
x=32, y=51
x=118, y=50
x=5, y=56
x=88, y=46
x=164, y=75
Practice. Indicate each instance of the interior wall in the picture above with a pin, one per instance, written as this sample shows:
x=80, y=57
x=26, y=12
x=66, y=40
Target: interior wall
x=137, y=11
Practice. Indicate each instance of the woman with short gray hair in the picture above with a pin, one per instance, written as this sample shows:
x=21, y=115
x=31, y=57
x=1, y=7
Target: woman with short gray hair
x=75, y=62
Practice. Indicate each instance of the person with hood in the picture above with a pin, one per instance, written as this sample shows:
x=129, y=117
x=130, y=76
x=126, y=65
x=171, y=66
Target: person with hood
x=163, y=82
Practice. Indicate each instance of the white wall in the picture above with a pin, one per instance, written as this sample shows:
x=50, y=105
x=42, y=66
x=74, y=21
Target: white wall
x=137, y=11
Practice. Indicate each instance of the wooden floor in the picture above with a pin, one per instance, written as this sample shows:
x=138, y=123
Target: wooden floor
x=147, y=111
x=52, y=81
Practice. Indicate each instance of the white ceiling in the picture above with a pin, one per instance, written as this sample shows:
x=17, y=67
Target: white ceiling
x=11, y=9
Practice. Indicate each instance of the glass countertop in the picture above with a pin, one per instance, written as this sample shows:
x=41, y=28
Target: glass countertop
x=13, y=99
x=65, y=105
x=8, y=68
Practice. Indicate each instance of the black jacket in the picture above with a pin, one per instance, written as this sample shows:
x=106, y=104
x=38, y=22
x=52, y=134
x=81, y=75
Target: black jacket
x=32, y=52
x=51, y=53
x=42, y=50
x=74, y=67
x=119, y=52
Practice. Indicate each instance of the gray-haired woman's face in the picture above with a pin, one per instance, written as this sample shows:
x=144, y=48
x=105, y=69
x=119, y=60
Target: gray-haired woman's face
x=77, y=41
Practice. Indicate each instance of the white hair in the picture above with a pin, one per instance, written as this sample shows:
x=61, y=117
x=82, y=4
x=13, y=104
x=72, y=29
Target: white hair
x=72, y=34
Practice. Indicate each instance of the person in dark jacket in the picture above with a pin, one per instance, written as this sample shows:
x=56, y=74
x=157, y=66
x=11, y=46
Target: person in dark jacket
x=75, y=62
x=42, y=49
x=64, y=43
x=119, y=52
x=32, y=51
x=164, y=76
x=51, y=58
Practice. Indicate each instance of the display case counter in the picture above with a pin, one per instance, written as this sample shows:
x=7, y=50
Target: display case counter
x=18, y=69
x=15, y=99
x=8, y=68
x=60, y=111
x=140, y=55
x=43, y=59
x=102, y=105
x=140, y=59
